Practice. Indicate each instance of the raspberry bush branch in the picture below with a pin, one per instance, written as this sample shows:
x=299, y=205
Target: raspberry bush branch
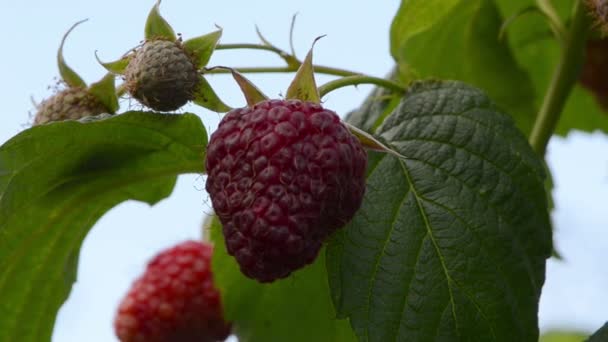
x=564, y=78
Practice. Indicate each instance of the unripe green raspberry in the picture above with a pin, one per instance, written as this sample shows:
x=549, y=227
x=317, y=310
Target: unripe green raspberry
x=161, y=75
x=69, y=104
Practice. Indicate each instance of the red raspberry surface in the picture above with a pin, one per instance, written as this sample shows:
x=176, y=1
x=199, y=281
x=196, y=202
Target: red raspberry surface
x=175, y=300
x=282, y=176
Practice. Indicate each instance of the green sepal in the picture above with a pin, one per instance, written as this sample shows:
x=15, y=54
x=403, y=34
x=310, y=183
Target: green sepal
x=206, y=97
x=202, y=47
x=303, y=87
x=68, y=75
x=262, y=38
x=105, y=92
x=369, y=141
x=157, y=27
x=121, y=90
x=291, y=60
x=117, y=67
x=252, y=94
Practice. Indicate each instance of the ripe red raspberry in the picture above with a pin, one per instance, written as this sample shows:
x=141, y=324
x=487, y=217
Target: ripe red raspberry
x=282, y=176
x=174, y=301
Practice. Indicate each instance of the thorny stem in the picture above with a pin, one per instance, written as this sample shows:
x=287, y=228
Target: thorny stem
x=563, y=80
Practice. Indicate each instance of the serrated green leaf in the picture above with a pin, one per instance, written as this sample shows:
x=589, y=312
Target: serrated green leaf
x=206, y=97
x=252, y=94
x=105, y=91
x=450, y=243
x=463, y=44
x=68, y=75
x=296, y=309
x=304, y=87
x=52, y=193
x=601, y=335
x=117, y=67
x=157, y=27
x=201, y=48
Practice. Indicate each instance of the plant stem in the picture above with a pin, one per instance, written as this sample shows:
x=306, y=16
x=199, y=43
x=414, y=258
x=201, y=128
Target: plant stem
x=247, y=46
x=348, y=78
x=563, y=80
x=292, y=62
x=257, y=70
x=547, y=8
x=356, y=80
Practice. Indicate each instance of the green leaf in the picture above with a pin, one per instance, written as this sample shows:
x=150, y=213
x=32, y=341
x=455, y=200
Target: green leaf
x=296, y=309
x=56, y=180
x=601, y=335
x=303, y=87
x=415, y=17
x=462, y=44
x=450, y=243
x=531, y=41
x=538, y=53
x=117, y=67
x=206, y=97
x=202, y=47
x=69, y=76
x=157, y=27
x=105, y=91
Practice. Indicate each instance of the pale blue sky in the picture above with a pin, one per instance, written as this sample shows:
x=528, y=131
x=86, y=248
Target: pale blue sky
x=117, y=248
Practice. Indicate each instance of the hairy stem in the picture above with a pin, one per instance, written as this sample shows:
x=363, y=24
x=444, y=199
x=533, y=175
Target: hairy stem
x=356, y=80
x=563, y=80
